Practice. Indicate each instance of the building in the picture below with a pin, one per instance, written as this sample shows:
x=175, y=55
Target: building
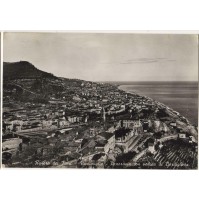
x=8, y=126
x=62, y=123
x=108, y=143
x=130, y=123
x=134, y=125
x=47, y=123
x=146, y=126
x=74, y=119
x=124, y=137
x=182, y=135
x=151, y=147
x=12, y=145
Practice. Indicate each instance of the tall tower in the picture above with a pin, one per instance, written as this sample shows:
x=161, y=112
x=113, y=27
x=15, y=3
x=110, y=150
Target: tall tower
x=104, y=114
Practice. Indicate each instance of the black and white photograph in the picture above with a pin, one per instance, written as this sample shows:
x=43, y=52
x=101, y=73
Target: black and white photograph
x=100, y=100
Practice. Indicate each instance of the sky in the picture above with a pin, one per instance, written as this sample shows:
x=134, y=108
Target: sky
x=107, y=56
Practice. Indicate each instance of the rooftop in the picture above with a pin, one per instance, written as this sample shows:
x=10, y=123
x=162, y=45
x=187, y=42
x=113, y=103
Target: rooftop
x=106, y=135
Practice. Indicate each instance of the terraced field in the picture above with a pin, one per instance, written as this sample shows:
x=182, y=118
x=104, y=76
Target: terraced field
x=175, y=154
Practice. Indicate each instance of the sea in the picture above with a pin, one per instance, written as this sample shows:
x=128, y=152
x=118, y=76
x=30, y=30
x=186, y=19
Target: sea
x=180, y=96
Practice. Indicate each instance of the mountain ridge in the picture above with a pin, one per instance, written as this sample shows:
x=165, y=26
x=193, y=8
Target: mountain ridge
x=23, y=69
x=22, y=81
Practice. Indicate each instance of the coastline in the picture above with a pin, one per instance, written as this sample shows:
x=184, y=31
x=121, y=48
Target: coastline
x=159, y=103
x=191, y=128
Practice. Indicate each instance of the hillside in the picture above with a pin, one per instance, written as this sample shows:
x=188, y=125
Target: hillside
x=22, y=81
x=22, y=69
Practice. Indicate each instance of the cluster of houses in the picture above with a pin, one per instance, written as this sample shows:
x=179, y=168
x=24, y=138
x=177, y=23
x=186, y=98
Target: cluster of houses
x=73, y=108
x=27, y=120
x=86, y=99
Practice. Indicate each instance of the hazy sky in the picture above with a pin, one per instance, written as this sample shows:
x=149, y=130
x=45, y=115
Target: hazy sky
x=106, y=56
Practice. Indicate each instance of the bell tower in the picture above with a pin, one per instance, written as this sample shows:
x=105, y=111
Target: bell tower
x=104, y=114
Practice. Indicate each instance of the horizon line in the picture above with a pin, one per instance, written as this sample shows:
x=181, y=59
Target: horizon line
x=101, y=80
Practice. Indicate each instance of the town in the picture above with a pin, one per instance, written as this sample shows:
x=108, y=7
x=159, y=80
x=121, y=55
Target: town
x=71, y=123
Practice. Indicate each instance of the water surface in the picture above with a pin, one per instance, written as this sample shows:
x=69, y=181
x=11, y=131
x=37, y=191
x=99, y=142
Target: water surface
x=181, y=96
